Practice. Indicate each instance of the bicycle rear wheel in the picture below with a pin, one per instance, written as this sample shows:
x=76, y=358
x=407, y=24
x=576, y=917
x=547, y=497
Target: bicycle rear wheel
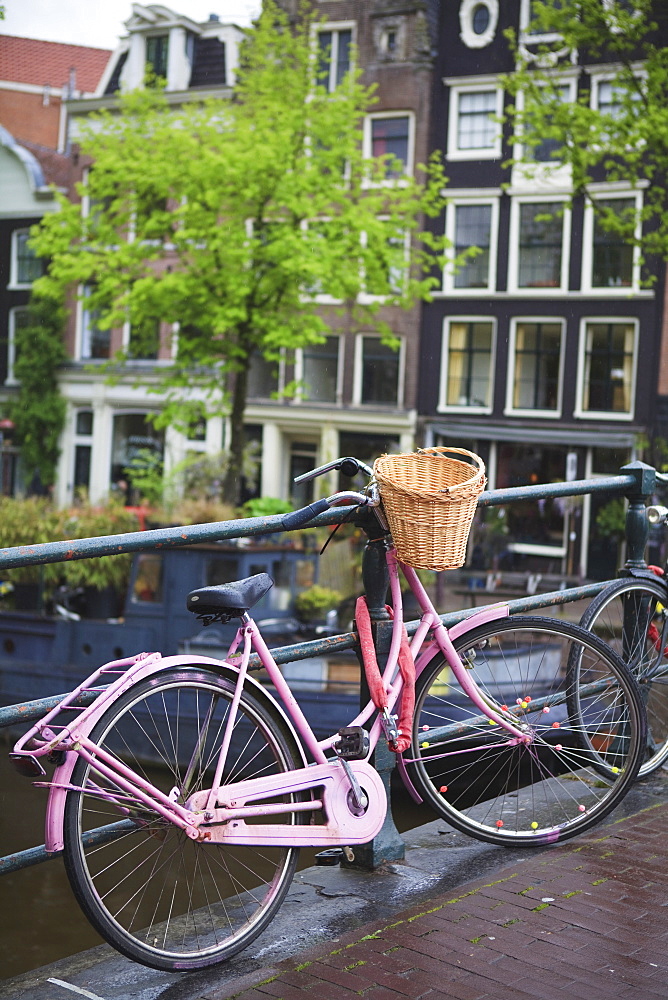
x=484, y=783
x=154, y=894
x=631, y=615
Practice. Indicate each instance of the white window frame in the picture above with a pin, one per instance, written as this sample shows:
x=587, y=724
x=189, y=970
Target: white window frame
x=579, y=410
x=466, y=32
x=525, y=21
x=359, y=360
x=11, y=343
x=511, y=410
x=335, y=27
x=14, y=283
x=514, y=245
x=410, y=152
x=450, y=231
x=443, y=405
x=299, y=375
x=588, y=245
x=457, y=90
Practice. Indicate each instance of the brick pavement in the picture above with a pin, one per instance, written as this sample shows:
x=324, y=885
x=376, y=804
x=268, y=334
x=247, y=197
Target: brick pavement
x=587, y=919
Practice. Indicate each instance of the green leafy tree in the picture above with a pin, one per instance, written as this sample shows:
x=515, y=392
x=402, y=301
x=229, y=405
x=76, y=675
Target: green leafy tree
x=625, y=138
x=231, y=218
x=38, y=410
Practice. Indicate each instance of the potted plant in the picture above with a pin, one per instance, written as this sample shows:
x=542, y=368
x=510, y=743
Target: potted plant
x=314, y=603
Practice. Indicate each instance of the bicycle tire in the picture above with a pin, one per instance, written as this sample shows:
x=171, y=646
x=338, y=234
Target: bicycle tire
x=486, y=784
x=154, y=894
x=644, y=603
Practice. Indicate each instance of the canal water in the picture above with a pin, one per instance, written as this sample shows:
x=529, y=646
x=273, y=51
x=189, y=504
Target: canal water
x=40, y=921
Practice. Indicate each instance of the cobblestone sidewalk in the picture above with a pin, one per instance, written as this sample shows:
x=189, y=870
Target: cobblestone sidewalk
x=588, y=919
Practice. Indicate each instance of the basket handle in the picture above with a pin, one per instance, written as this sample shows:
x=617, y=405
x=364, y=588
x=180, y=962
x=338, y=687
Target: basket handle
x=442, y=451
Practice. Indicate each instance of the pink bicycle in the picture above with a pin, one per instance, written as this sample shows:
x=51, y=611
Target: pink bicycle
x=182, y=794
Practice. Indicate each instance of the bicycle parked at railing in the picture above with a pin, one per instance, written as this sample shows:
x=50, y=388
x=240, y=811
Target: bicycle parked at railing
x=181, y=796
x=631, y=615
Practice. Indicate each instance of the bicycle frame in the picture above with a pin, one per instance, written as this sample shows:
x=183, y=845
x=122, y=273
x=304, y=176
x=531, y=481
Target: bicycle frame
x=218, y=814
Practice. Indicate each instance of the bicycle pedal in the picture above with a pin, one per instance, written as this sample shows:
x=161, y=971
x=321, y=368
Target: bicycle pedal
x=354, y=743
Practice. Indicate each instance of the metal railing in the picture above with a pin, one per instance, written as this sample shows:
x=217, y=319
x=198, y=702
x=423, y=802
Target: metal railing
x=635, y=481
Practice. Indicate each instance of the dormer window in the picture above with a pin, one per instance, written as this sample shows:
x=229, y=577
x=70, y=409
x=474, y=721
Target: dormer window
x=157, y=49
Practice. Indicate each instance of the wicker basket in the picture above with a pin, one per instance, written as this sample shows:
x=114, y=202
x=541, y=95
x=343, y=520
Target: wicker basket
x=430, y=499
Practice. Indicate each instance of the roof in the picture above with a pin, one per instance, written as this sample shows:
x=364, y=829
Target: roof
x=28, y=60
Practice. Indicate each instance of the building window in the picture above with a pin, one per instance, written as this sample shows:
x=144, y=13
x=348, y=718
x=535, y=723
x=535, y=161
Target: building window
x=157, y=51
x=540, y=243
x=378, y=372
x=608, y=97
x=547, y=149
x=144, y=340
x=608, y=363
x=26, y=266
x=95, y=343
x=83, y=449
x=534, y=381
x=385, y=262
x=262, y=378
x=18, y=320
x=474, y=131
x=612, y=258
x=334, y=56
x=320, y=371
x=468, y=347
x=477, y=22
x=470, y=225
x=391, y=136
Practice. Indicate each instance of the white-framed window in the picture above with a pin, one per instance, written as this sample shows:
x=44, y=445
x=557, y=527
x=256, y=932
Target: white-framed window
x=25, y=266
x=607, y=368
x=467, y=363
x=535, y=366
x=83, y=449
x=391, y=134
x=334, y=53
x=318, y=367
x=564, y=89
x=477, y=22
x=142, y=340
x=472, y=223
x=385, y=262
x=539, y=241
x=265, y=378
x=529, y=30
x=157, y=54
x=379, y=372
x=94, y=343
x=610, y=263
x=18, y=318
x=474, y=131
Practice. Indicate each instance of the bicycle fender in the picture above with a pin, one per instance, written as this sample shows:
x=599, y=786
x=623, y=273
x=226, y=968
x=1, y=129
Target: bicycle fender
x=55, y=806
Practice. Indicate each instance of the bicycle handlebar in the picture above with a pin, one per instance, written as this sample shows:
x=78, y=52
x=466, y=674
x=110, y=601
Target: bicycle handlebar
x=298, y=517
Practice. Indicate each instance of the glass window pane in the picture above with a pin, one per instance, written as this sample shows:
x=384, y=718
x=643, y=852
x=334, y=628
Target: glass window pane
x=540, y=249
x=537, y=365
x=476, y=128
x=469, y=361
x=321, y=365
x=473, y=226
x=389, y=136
x=29, y=266
x=262, y=378
x=612, y=257
x=609, y=355
x=380, y=372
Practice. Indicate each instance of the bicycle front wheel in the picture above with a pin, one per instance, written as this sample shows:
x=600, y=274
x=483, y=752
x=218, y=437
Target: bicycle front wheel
x=486, y=783
x=632, y=617
x=154, y=894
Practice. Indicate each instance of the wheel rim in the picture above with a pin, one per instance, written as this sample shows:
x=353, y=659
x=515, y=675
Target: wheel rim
x=547, y=789
x=640, y=609
x=156, y=894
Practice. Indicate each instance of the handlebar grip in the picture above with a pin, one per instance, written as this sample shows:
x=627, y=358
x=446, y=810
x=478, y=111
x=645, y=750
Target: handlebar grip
x=298, y=517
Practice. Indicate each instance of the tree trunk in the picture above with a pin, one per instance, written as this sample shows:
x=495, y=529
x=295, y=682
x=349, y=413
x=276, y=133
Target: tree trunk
x=232, y=481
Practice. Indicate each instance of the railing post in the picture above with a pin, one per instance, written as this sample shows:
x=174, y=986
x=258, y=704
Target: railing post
x=637, y=525
x=388, y=844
